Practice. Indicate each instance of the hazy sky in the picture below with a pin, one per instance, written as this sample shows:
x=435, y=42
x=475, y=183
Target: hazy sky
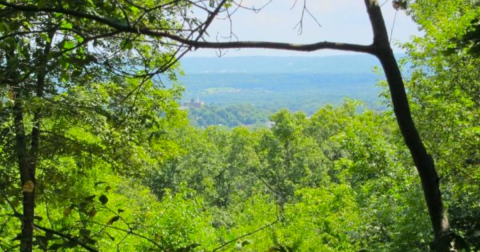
x=340, y=20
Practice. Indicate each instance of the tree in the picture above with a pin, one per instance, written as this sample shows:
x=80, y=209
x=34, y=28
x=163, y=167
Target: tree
x=66, y=95
x=444, y=87
x=123, y=24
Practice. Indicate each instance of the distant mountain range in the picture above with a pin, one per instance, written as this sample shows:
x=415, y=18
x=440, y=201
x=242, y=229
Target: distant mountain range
x=260, y=64
x=297, y=83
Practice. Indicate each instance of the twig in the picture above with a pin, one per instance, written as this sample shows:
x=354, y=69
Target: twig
x=68, y=237
x=245, y=235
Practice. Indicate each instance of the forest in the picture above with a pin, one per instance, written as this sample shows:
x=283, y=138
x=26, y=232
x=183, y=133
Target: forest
x=229, y=116
x=96, y=154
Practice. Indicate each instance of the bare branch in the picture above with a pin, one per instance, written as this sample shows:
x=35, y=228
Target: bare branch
x=286, y=46
x=245, y=235
x=253, y=8
x=210, y=19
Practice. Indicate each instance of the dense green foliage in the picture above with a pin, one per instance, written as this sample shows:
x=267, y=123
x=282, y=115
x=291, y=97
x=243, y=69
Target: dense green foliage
x=335, y=181
x=118, y=167
x=445, y=86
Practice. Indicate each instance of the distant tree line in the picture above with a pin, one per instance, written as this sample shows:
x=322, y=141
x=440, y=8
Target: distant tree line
x=230, y=116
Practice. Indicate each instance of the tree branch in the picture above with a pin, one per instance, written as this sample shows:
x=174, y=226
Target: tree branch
x=245, y=235
x=132, y=233
x=198, y=44
x=68, y=237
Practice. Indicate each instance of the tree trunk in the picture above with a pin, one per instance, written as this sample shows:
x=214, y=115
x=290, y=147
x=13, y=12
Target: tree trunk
x=26, y=176
x=423, y=161
x=27, y=157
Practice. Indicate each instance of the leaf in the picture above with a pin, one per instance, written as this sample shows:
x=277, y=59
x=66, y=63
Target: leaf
x=134, y=10
x=41, y=3
x=99, y=183
x=68, y=45
x=92, y=213
x=67, y=211
x=187, y=248
x=120, y=210
x=246, y=242
x=89, y=198
x=42, y=241
x=82, y=207
x=126, y=44
x=11, y=95
x=56, y=246
x=90, y=240
x=79, y=39
x=113, y=219
x=38, y=218
x=103, y=199
x=85, y=232
x=111, y=237
x=66, y=25
x=4, y=27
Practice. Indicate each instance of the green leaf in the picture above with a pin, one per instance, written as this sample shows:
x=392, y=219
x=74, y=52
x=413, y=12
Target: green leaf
x=56, y=246
x=90, y=240
x=99, y=183
x=41, y=3
x=82, y=207
x=111, y=237
x=68, y=45
x=79, y=39
x=4, y=27
x=42, y=241
x=66, y=25
x=89, y=198
x=85, y=232
x=103, y=199
x=126, y=44
x=134, y=10
x=113, y=219
x=244, y=243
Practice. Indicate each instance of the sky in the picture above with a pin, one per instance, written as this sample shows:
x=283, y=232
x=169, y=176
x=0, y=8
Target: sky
x=338, y=21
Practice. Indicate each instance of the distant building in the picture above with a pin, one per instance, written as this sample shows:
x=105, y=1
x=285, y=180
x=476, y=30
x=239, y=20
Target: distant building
x=194, y=103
